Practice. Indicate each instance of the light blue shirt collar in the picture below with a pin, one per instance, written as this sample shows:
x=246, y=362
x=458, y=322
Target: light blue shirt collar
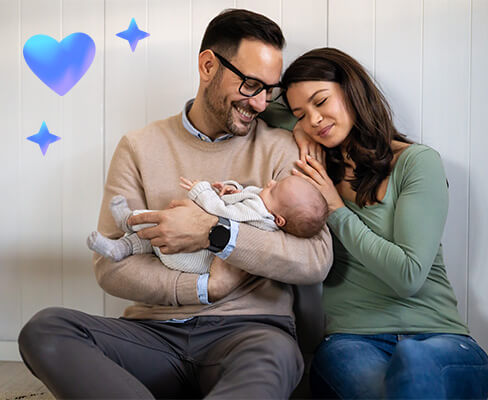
x=194, y=131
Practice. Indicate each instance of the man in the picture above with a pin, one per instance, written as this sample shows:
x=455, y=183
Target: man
x=227, y=334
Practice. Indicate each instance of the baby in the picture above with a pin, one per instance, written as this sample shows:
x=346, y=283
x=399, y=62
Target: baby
x=291, y=204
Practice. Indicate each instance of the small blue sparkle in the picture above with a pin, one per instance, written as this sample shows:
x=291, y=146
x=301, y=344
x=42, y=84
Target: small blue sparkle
x=43, y=138
x=133, y=34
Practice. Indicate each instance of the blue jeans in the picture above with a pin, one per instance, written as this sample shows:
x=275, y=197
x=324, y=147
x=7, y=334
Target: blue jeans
x=421, y=366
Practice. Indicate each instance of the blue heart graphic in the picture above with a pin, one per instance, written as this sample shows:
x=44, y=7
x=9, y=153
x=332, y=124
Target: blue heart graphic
x=60, y=65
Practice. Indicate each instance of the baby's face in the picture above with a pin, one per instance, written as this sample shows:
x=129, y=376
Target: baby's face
x=274, y=194
x=290, y=191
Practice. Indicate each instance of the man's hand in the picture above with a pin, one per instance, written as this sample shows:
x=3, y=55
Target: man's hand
x=183, y=227
x=223, y=279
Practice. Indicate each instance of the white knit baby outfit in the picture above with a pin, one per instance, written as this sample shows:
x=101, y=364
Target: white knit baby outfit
x=245, y=206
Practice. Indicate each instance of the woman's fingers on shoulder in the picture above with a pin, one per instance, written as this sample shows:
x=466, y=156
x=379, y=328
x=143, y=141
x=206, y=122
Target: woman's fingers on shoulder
x=312, y=164
x=306, y=177
x=296, y=172
x=310, y=171
x=318, y=166
x=303, y=151
x=303, y=165
x=313, y=161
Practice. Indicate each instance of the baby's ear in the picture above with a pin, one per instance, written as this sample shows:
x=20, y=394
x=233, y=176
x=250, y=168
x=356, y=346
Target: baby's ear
x=280, y=220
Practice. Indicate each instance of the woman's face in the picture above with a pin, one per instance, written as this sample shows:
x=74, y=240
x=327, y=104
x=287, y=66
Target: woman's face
x=321, y=111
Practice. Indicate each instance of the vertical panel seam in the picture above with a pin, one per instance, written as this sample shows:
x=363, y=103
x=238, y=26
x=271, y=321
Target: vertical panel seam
x=104, y=94
x=62, y=160
x=104, y=120
x=374, y=40
x=327, y=19
x=422, y=21
x=19, y=150
x=281, y=14
x=470, y=69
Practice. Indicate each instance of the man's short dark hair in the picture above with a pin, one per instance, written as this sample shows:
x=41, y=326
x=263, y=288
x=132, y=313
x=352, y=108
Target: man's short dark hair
x=226, y=31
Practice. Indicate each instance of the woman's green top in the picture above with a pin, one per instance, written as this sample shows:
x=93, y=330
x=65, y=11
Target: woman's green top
x=388, y=274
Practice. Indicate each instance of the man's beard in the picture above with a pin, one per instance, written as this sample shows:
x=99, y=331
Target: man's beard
x=216, y=104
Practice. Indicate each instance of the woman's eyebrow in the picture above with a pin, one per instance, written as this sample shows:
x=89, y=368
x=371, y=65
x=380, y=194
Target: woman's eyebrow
x=310, y=98
x=317, y=92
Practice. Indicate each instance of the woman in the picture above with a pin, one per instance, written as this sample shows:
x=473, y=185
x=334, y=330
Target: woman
x=393, y=329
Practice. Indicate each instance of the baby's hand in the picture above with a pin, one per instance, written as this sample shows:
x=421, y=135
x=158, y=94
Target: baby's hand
x=225, y=189
x=186, y=183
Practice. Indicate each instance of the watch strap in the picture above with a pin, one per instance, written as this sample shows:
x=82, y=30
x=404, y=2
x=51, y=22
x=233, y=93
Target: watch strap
x=223, y=223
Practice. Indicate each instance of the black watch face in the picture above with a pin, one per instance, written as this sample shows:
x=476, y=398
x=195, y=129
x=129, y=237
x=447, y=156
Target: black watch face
x=220, y=237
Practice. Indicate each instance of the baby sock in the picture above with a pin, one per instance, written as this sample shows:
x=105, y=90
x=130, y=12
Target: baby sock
x=118, y=249
x=121, y=212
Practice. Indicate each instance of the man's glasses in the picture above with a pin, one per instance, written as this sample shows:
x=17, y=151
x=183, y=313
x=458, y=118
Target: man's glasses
x=250, y=87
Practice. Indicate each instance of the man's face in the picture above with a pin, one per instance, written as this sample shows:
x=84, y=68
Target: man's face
x=233, y=111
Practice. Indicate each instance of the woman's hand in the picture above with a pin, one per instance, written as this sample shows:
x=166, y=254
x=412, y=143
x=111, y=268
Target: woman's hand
x=223, y=279
x=307, y=145
x=314, y=172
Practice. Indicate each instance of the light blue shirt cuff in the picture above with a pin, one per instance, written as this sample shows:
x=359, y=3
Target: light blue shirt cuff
x=234, y=230
x=202, y=283
x=202, y=288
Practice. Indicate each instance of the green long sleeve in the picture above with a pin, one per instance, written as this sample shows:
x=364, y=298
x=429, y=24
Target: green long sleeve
x=388, y=273
x=278, y=115
x=403, y=259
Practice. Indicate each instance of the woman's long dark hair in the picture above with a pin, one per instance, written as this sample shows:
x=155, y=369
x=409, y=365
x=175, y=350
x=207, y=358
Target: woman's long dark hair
x=369, y=142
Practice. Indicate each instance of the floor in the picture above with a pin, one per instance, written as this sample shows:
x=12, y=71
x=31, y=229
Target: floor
x=17, y=383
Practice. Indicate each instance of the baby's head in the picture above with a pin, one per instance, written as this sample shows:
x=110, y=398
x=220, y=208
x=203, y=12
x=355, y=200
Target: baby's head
x=297, y=205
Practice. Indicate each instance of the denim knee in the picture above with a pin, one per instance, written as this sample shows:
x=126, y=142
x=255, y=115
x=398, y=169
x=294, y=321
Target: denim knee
x=444, y=365
x=410, y=352
x=410, y=357
x=413, y=373
x=350, y=366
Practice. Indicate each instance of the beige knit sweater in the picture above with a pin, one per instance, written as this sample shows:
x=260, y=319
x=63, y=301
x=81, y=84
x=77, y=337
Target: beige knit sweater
x=146, y=167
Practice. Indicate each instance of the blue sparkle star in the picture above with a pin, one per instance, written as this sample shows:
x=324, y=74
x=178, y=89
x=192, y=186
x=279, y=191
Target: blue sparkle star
x=43, y=138
x=133, y=34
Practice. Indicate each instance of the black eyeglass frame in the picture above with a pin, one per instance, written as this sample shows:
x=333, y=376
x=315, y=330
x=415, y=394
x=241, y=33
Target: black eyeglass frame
x=245, y=78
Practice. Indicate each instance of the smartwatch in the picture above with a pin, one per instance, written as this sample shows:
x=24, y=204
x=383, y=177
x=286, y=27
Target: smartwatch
x=219, y=235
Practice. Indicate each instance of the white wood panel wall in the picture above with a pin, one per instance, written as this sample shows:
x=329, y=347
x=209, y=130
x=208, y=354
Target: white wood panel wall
x=445, y=112
x=429, y=56
x=477, y=293
x=10, y=274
